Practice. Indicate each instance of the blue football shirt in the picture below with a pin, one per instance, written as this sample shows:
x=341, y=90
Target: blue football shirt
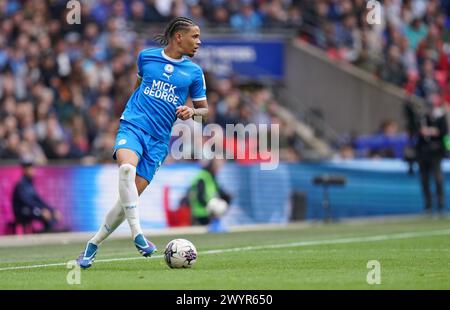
x=166, y=84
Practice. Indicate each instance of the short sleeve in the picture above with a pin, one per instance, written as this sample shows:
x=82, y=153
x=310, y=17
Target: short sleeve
x=197, y=89
x=139, y=65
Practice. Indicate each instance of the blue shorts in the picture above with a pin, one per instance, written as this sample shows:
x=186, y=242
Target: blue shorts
x=151, y=151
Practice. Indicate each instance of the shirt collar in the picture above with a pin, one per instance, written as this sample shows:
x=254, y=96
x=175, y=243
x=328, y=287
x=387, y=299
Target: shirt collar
x=170, y=58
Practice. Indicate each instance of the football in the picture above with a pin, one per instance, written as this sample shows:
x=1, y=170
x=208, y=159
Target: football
x=180, y=253
x=217, y=207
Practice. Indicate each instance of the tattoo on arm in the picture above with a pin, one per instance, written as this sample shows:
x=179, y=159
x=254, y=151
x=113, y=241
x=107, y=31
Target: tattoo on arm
x=200, y=110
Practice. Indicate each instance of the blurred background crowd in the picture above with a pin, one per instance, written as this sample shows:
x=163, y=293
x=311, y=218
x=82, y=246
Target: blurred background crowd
x=63, y=87
x=409, y=49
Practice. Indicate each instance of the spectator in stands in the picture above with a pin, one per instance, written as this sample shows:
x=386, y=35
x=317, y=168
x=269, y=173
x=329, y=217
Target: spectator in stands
x=428, y=85
x=346, y=152
x=11, y=146
x=431, y=150
x=393, y=70
x=289, y=143
x=28, y=205
x=415, y=32
x=247, y=20
x=392, y=143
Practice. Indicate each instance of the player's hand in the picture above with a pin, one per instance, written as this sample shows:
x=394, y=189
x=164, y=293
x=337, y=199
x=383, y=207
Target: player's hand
x=185, y=112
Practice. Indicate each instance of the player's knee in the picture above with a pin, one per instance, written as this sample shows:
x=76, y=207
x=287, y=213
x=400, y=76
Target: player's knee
x=127, y=171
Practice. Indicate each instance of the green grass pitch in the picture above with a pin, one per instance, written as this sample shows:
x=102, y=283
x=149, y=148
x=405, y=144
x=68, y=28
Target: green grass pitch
x=413, y=253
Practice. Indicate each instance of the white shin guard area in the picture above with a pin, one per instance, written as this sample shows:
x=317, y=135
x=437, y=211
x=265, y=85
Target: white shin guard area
x=129, y=197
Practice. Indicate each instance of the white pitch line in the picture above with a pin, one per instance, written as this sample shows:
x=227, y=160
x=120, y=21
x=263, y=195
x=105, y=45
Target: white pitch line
x=394, y=236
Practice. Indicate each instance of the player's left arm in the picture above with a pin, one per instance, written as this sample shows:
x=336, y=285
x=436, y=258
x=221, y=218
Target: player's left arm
x=198, y=96
x=200, y=109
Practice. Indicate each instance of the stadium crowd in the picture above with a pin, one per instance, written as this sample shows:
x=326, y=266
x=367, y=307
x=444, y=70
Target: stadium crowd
x=409, y=47
x=63, y=87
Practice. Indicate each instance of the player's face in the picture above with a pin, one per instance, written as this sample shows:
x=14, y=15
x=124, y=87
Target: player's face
x=190, y=41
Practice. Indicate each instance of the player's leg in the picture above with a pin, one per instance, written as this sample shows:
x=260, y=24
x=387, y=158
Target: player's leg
x=152, y=156
x=128, y=192
x=131, y=186
x=141, y=184
x=126, y=143
x=143, y=245
x=113, y=219
x=117, y=214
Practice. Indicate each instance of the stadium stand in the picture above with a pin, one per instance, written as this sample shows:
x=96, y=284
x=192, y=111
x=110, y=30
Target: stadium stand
x=62, y=88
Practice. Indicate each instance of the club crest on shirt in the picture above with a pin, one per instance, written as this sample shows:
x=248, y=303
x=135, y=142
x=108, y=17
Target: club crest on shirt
x=168, y=70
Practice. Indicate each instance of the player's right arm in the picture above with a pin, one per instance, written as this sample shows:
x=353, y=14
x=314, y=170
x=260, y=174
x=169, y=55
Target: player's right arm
x=140, y=72
x=138, y=82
